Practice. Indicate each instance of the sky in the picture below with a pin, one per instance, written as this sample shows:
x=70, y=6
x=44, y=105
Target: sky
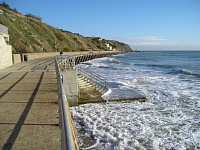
x=143, y=24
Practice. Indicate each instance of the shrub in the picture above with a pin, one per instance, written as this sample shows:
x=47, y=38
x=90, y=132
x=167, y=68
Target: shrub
x=60, y=36
x=15, y=10
x=5, y=5
x=34, y=16
x=66, y=49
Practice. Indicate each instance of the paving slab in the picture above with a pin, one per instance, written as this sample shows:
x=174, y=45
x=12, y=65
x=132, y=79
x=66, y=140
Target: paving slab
x=2, y=74
x=43, y=113
x=24, y=87
x=9, y=80
x=50, y=76
x=16, y=75
x=29, y=115
x=49, y=80
x=50, y=87
x=29, y=80
x=11, y=112
x=50, y=96
x=5, y=131
x=16, y=97
x=32, y=76
x=38, y=137
x=50, y=67
x=5, y=86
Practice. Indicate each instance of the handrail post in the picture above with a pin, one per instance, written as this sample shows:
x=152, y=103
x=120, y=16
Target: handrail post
x=65, y=63
x=106, y=85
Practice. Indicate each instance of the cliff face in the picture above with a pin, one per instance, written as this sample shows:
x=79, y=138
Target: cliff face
x=29, y=34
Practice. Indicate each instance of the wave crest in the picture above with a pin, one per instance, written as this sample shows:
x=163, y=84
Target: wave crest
x=183, y=71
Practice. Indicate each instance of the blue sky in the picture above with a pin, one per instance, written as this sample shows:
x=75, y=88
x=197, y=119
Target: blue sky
x=143, y=24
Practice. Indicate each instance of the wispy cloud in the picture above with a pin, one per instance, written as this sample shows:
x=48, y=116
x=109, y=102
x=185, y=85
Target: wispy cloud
x=145, y=43
x=149, y=38
x=161, y=43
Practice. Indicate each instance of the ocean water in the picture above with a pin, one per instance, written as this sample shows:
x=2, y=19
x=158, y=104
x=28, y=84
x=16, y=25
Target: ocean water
x=169, y=120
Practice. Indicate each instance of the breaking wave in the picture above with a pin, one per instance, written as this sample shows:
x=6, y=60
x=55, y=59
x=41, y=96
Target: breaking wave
x=168, y=120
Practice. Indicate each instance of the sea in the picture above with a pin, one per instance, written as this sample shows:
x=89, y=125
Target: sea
x=168, y=120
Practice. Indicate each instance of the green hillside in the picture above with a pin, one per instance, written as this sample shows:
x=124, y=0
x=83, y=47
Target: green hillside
x=29, y=34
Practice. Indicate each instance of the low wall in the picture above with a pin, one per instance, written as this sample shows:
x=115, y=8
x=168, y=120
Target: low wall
x=87, y=55
x=16, y=58
x=32, y=56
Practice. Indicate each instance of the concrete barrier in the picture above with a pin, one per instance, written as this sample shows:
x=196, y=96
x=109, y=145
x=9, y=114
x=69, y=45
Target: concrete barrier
x=70, y=85
x=83, y=56
x=32, y=56
x=16, y=58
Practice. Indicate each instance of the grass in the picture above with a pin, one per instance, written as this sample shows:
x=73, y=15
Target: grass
x=30, y=34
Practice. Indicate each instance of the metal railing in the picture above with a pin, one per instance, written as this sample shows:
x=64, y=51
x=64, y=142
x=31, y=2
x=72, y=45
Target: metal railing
x=3, y=29
x=63, y=62
x=96, y=80
x=68, y=136
x=66, y=62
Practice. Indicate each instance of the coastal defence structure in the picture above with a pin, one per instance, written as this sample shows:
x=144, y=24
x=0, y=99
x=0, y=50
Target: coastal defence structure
x=29, y=104
x=69, y=92
x=69, y=75
x=31, y=93
x=5, y=49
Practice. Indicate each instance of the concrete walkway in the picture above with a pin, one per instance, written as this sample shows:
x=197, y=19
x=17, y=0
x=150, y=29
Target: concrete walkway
x=29, y=106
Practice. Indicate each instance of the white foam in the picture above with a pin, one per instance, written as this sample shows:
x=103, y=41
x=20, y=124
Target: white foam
x=170, y=120
x=105, y=95
x=143, y=80
x=119, y=124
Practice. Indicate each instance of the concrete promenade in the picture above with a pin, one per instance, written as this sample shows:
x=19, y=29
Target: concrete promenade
x=29, y=116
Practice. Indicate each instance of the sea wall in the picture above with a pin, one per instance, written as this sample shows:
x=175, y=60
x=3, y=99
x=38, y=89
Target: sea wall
x=87, y=57
x=80, y=56
x=31, y=56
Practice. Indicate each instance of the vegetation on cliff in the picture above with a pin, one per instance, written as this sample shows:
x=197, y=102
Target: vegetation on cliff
x=29, y=34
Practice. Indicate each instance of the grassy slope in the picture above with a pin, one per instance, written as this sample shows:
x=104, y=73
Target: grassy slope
x=28, y=34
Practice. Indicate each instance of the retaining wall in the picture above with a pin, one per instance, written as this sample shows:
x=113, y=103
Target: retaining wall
x=5, y=53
